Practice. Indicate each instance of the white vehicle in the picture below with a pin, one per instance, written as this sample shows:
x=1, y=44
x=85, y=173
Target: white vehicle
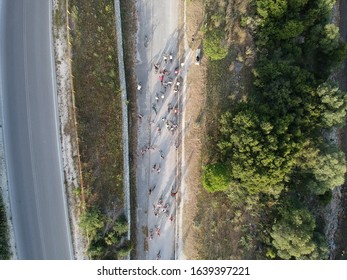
x=198, y=57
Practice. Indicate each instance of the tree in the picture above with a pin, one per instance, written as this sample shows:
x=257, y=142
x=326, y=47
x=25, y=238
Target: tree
x=259, y=160
x=121, y=226
x=213, y=45
x=297, y=4
x=271, y=8
x=292, y=234
x=91, y=222
x=330, y=38
x=291, y=29
x=332, y=104
x=329, y=171
x=216, y=177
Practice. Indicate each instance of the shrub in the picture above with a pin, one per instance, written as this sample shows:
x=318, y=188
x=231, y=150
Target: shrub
x=213, y=45
x=216, y=177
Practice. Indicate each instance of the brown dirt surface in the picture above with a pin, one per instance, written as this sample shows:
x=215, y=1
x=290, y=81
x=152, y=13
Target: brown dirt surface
x=215, y=226
x=193, y=134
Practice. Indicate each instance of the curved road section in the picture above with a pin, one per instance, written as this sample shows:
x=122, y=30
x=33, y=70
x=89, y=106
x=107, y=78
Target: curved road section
x=31, y=137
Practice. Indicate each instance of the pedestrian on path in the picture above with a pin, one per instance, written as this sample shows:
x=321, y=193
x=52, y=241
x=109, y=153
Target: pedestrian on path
x=158, y=256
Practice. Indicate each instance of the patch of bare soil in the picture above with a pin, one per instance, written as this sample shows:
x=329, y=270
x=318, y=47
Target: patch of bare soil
x=214, y=226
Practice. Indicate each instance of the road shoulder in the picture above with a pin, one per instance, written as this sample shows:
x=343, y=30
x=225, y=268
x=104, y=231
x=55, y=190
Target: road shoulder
x=68, y=129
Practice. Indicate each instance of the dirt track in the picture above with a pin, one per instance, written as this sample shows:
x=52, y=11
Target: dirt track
x=159, y=114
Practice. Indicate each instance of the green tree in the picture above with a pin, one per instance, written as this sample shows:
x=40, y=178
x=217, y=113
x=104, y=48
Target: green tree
x=292, y=234
x=258, y=160
x=329, y=171
x=121, y=226
x=291, y=29
x=112, y=238
x=296, y=5
x=216, y=177
x=91, y=222
x=332, y=104
x=214, y=46
x=330, y=38
x=271, y=8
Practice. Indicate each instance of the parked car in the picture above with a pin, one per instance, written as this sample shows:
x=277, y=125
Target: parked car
x=198, y=57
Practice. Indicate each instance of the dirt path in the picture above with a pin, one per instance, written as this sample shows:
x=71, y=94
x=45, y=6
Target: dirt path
x=159, y=114
x=192, y=130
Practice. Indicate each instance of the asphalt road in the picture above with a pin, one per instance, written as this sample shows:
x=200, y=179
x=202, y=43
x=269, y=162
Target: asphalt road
x=31, y=134
x=158, y=133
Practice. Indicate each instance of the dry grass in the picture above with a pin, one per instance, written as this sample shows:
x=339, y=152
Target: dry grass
x=215, y=226
x=98, y=102
x=193, y=133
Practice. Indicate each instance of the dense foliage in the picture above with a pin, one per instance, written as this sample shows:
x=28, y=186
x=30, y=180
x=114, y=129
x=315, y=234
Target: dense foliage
x=215, y=45
x=273, y=144
x=293, y=235
x=105, y=244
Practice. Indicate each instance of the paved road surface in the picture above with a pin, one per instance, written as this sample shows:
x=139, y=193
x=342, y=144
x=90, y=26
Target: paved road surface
x=31, y=131
x=157, y=35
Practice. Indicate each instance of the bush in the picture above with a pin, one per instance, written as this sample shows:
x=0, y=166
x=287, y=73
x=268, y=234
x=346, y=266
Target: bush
x=216, y=177
x=292, y=234
x=213, y=45
x=91, y=222
x=121, y=226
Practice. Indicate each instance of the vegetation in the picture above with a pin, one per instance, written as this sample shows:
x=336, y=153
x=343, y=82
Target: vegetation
x=294, y=237
x=271, y=146
x=4, y=241
x=216, y=177
x=109, y=243
x=98, y=106
x=215, y=45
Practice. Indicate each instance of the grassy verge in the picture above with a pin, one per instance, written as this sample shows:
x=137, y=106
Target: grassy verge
x=228, y=231
x=99, y=117
x=4, y=242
